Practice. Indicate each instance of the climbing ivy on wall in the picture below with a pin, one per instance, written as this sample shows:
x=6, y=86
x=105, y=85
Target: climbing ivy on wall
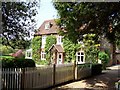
x=91, y=48
x=70, y=49
x=50, y=40
x=36, y=45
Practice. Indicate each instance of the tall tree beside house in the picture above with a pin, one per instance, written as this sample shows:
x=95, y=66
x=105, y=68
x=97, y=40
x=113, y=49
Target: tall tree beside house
x=50, y=40
x=36, y=45
x=84, y=17
x=18, y=19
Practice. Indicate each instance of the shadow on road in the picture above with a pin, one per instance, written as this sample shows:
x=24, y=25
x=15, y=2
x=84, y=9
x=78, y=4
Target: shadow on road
x=104, y=81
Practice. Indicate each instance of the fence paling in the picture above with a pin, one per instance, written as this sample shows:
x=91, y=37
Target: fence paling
x=42, y=77
x=8, y=78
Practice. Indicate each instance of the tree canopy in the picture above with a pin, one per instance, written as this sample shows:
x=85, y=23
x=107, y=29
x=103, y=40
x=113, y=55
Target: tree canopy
x=89, y=17
x=18, y=19
x=100, y=18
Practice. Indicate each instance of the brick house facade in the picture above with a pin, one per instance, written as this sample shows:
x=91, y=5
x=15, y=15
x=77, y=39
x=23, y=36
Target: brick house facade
x=49, y=27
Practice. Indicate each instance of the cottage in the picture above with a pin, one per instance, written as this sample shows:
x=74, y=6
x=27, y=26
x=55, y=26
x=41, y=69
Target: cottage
x=57, y=52
x=49, y=27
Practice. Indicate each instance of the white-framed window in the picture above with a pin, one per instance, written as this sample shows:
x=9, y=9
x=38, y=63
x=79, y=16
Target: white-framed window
x=43, y=41
x=59, y=40
x=43, y=55
x=28, y=54
x=59, y=58
x=47, y=26
x=80, y=57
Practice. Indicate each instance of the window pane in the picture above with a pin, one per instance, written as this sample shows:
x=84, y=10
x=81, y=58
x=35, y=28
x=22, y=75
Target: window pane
x=82, y=53
x=82, y=58
x=59, y=56
x=78, y=58
x=44, y=55
x=78, y=53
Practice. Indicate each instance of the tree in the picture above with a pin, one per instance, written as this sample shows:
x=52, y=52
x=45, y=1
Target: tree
x=83, y=17
x=18, y=19
x=6, y=50
x=91, y=48
x=36, y=45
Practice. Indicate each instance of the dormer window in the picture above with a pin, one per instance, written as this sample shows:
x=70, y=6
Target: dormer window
x=47, y=26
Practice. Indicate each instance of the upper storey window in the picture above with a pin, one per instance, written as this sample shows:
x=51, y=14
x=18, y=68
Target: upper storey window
x=47, y=26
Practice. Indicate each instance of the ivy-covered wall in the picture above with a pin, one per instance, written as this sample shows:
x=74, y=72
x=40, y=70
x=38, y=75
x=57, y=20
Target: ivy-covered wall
x=91, y=48
x=70, y=49
x=50, y=40
x=36, y=45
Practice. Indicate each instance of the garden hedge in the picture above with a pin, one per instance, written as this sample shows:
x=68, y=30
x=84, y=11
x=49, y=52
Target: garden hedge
x=17, y=62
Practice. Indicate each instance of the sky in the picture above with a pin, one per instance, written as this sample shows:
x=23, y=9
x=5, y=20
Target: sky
x=45, y=12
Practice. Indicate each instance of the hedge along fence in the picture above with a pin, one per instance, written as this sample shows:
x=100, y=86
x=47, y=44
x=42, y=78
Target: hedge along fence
x=42, y=77
x=11, y=62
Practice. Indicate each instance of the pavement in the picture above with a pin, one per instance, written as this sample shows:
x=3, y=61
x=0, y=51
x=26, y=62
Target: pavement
x=104, y=81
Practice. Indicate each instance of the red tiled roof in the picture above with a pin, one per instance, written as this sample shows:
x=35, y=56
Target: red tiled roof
x=57, y=47
x=54, y=29
x=18, y=53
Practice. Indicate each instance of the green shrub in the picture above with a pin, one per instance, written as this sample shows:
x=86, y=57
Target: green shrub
x=91, y=48
x=42, y=62
x=16, y=62
x=70, y=49
x=6, y=50
x=7, y=62
x=104, y=57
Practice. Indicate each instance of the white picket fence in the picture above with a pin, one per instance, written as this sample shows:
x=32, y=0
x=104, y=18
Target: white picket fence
x=40, y=77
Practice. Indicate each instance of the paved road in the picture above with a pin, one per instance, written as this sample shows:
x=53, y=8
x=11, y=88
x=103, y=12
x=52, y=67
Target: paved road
x=104, y=81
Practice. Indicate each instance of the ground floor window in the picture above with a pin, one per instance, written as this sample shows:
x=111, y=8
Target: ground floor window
x=28, y=54
x=59, y=58
x=43, y=55
x=80, y=57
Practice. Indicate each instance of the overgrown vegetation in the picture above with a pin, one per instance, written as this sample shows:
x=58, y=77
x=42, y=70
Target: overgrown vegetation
x=18, y=19
x=70, y=49
x=11, y=62
x=91, y=48
x=50, y=40
x=104, y=57
x=36, y=45
x=83, y=18
x=6, y=50
x=42, y=62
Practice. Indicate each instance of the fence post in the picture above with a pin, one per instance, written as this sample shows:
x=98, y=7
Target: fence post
x=74, y=70
x=54, y=70
x=22, y=78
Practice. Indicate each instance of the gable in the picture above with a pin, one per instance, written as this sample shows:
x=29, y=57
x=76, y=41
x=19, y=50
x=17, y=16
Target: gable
x=48, y=27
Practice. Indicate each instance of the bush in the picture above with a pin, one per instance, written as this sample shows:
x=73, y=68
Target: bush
x=104, y=57
x=6, y=50
x=17, y=62
x=42, y=62
x=96, y=69
x=7, y=62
